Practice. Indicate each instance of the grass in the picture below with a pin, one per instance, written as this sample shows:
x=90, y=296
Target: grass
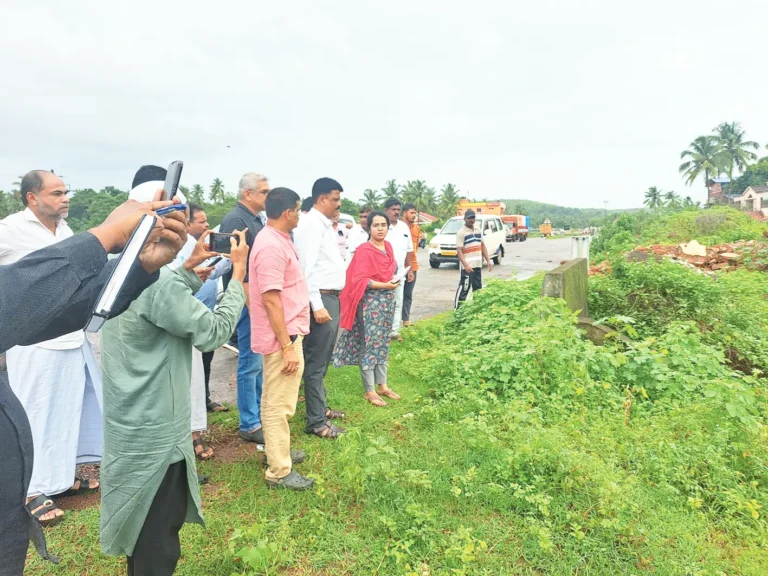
x=439, y=485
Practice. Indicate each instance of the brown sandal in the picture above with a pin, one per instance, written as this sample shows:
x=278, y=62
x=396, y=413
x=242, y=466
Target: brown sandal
x=389, y=393
x=201, y=455
x=374, y=399
x=329, y=431
x=334, y=414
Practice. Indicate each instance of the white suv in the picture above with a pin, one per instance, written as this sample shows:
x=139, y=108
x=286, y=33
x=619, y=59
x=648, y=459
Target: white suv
x=442, y=248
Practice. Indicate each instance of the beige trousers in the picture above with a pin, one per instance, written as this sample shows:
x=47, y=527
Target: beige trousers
x=279, y=396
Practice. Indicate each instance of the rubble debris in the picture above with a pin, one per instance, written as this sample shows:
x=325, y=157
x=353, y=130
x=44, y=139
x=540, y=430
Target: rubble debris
x=693, y=248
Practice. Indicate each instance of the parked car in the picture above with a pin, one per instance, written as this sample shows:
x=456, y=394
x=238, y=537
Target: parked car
x=442, y=248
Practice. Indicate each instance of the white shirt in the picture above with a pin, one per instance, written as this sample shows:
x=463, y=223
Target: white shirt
x=357, y=237
x=323, y=266
x=21, y=234
x=399, y=236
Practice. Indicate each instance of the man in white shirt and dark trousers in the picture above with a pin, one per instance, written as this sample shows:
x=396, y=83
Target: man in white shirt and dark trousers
x=399, y=237
x=359, y=234
x=325, y=273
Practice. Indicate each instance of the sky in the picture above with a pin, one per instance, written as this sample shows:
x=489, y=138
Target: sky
x=567, y=102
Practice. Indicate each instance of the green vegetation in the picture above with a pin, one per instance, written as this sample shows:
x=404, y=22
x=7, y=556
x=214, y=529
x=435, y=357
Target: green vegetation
x=519, y=448
x=715, y=225
x=560, y=215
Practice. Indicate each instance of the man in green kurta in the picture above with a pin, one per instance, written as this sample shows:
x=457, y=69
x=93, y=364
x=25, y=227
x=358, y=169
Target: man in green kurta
x=148, y=477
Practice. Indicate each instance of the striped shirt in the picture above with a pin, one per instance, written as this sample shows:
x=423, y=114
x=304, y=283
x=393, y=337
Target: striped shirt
x=471, y=243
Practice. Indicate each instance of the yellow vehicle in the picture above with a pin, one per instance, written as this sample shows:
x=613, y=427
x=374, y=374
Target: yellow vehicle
x=546, y=228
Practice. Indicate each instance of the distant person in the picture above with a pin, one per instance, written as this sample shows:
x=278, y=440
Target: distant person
x=253, y=190
x=150, y=484
x=358, y=235
x=409, y=217
x=323, y=269
x=471, y=252
x=58, y=381
x=279, y=322
x=340, y=232
x=49, y=293
x=367, y=312
x=400, y=238
x=198, y=225
x=306, y=204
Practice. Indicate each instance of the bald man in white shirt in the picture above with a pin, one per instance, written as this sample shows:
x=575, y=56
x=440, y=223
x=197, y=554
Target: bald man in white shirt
x=58, y=382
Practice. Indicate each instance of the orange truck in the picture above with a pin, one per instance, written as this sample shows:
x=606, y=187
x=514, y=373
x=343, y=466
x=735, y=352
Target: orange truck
x=518, y=227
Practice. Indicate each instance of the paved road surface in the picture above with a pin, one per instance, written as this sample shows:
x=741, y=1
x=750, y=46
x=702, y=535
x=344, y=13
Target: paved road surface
x=434, y=293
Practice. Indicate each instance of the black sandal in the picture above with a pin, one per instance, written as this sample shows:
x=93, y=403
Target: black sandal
x=85, y=488
x=45, y=505
x=334, y=414
x=332, y=433
x=216, y=407
x=200, y=455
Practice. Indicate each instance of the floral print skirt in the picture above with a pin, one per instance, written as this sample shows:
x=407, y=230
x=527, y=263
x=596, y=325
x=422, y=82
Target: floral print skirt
x=367, y=344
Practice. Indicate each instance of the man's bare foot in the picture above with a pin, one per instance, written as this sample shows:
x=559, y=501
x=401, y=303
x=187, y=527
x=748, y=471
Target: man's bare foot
x=385, y=391
x=374, y=399
x=202, y=450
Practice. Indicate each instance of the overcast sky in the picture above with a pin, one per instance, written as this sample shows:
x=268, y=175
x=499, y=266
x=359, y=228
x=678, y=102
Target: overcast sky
x=568, y=102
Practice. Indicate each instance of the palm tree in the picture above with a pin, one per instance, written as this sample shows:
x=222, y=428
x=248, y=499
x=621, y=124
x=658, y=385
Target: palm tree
x=197, y=194
x=730, y=138
x=705, y=156
x=672, y=199
x=688, y=202
x=653, y=198
x=391, y=190
x=217, y=191
x=449, y=197
x=371, y=198
x=184, y=190
x=415, y=191
x=430, y=199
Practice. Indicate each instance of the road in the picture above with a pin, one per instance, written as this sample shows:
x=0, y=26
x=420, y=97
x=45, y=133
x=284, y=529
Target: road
x=434, y=293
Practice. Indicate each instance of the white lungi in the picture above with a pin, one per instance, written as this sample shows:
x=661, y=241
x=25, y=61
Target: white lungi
x=61, y=392
x=197, y=393
x=398, y=319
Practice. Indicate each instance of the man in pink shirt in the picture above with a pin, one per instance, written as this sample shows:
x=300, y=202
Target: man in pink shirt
x=279, y=321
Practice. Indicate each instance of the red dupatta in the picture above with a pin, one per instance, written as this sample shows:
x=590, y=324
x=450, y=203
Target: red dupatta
x=368, y=263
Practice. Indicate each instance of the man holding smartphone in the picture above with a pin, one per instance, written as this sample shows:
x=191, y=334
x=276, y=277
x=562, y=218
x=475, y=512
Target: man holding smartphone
x=253, y=190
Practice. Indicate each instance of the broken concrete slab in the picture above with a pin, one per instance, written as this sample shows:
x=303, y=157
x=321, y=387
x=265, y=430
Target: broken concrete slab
x=693, y=248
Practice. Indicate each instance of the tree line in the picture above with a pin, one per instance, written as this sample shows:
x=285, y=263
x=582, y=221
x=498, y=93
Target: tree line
x=426, y=198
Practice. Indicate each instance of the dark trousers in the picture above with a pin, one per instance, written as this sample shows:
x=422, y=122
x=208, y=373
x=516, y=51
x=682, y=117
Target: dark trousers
x=15, y=472
x=468, y=280
x=408, y=298
x=318, y=349
x=158, y=548
x=207, y=359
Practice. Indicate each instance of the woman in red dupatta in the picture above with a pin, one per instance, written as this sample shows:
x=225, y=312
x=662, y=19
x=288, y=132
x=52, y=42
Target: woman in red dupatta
x=367, y=312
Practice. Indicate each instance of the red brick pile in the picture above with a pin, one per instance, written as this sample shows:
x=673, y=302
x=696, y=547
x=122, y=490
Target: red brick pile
x=719, y=257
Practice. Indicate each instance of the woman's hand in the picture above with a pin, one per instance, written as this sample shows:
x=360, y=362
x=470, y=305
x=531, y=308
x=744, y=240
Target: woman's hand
x=385, y=285
x=239, y=255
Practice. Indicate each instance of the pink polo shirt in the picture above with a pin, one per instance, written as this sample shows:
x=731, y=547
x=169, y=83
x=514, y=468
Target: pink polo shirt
x=274, y=265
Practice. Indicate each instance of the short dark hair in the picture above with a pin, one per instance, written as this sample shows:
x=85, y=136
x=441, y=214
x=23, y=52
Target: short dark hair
x=32, y=182
x=364, y=208
x=373, y=215
x=306, y=205
x=409, y=206
x=391, y=201
x=323, y=187
x=149, y=173
x=193, y=210
x=279, y=200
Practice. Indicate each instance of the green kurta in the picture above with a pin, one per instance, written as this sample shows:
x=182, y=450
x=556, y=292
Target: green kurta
x=147, y=362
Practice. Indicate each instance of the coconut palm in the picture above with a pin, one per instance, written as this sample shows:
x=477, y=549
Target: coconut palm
x=217, y=191
x=197, y=194
x=372, y=198
x=430, y=199
x=415, y=191
x=688, y=202
x=704, y=157
x=672, y=199
x=653, y=198
x=730, y=138
x=391, y=189
x=449, y=197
